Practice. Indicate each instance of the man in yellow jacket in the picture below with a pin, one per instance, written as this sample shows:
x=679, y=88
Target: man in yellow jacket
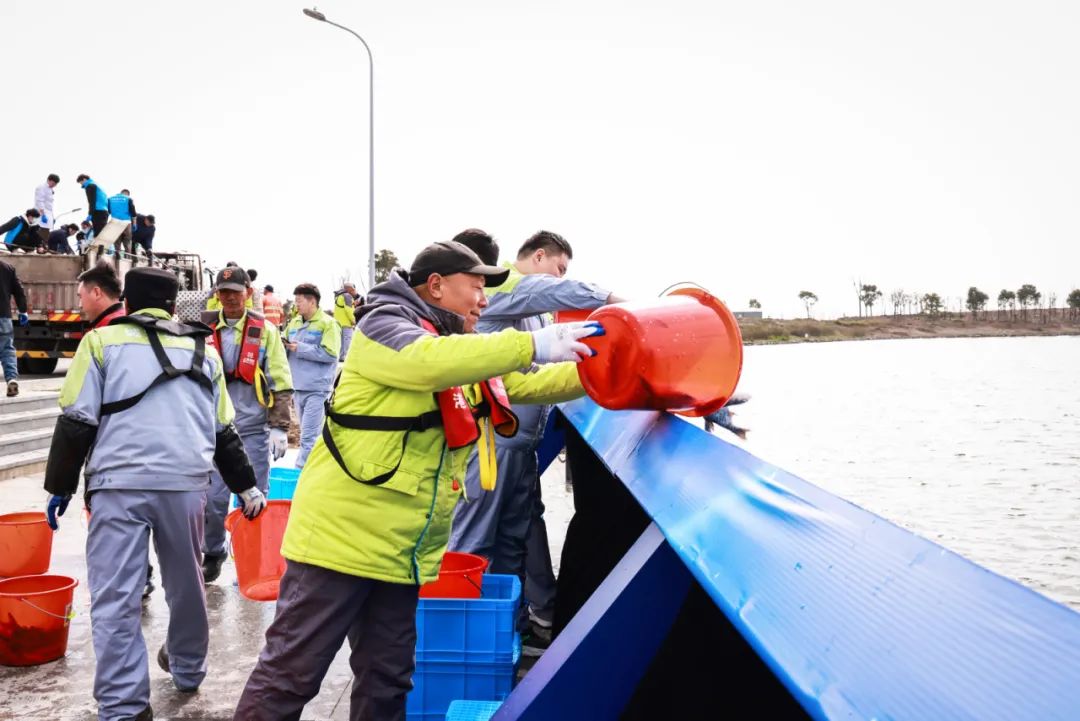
x=371, y=516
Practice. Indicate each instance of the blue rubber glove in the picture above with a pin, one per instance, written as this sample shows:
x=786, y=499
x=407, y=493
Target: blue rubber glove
x=57, y=506
x=24, y=319
x=44, y=219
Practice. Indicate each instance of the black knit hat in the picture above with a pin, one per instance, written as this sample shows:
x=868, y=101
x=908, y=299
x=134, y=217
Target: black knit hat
x=150, y=288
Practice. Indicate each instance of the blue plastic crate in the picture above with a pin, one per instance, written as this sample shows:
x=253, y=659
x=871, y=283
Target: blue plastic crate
x=437, y=685
x=473, y=630
x=282, y=485
x=472, y=710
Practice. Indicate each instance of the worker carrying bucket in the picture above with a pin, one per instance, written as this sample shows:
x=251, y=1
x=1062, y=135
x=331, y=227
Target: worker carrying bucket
x=371, y=515
x=144, y=405
x=260, y=386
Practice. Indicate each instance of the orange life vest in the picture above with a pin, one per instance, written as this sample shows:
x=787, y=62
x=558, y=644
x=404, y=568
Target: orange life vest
x=247, y=362
x=272, y=310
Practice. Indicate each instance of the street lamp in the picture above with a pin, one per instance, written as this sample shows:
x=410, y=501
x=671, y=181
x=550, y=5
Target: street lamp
x=314, y=14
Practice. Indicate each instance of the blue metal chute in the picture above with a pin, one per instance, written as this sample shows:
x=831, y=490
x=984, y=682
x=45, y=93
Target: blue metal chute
x=856, y=617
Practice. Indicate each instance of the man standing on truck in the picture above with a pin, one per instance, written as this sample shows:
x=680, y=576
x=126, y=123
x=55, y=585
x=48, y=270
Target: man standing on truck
x=122, y=207
x=260, y=385
x=145, y=371
x=313, y=340
x=22, y=231
x=144, y=235
x=10, y=287
x=43, y=200
x=98, y=202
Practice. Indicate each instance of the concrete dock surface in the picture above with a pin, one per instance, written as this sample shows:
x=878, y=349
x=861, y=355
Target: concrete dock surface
x=62, y=689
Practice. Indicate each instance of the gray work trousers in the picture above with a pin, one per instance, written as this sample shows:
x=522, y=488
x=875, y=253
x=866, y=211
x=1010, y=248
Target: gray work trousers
x=506, y=525
x=116, y=548
x=346, y=341
x=317, y=610
x=310, y=412
x=257, y=446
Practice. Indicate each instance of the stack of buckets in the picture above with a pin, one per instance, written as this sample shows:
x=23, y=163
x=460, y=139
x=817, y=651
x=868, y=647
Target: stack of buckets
x=35, y=608
x=467, y=645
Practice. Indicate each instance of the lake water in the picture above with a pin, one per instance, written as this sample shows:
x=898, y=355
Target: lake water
x=972, y=443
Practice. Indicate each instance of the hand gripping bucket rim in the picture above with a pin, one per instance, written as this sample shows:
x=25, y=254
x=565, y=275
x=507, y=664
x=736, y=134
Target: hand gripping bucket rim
x=31, y=632
x=25, y=544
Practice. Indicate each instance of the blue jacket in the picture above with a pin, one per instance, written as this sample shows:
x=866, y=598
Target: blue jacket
x=165, y=442
x=522, y=302
x=96, y=197
x=121, y=207
x=314, y=362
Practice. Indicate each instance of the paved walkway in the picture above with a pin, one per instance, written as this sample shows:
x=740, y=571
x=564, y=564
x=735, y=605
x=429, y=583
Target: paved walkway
x=63, y=689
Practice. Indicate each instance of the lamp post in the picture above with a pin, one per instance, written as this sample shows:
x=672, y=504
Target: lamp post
x=316, y=15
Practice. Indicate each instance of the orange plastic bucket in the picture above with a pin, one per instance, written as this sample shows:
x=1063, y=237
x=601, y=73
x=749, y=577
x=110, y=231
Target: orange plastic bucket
x=256, y=548
x=35, y=614
x=569, y=316
x=680, y=353
x=25, y=544
x=461, y=575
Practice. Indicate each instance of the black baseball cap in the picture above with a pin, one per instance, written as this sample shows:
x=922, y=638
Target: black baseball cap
x=448, y=257
x=233, y=278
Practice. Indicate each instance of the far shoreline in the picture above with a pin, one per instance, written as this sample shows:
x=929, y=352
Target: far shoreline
x=769, y=331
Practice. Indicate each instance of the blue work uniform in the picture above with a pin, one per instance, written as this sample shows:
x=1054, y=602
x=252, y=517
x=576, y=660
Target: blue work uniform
x=497, y=524
x=149, y=468
x=313, y=365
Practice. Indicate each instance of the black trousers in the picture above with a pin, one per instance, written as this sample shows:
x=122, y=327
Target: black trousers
x=98, y=218
x=316, y=610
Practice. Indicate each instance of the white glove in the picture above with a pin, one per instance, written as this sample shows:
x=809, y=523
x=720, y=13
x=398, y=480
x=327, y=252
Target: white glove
x=279, y=442
x=562, y=342
x=254, y=502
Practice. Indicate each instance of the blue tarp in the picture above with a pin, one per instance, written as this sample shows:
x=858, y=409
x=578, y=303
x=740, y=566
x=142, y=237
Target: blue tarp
x=859, y=618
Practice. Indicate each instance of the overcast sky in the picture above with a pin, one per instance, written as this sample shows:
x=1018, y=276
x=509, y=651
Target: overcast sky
x=757, y=148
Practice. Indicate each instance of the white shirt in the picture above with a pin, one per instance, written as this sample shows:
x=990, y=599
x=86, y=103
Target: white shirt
x=43, y=201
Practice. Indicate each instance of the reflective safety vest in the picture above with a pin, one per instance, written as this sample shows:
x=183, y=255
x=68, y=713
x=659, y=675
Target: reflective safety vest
x=119, y=206
x=462, y=423
x=247, y=367
x=272, y=310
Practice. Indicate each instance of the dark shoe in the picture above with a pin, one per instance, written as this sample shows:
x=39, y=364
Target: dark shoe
x=12, y=389
x=163, y=664
x=535, y=641
x=147, y=714
x=149, y=587
x=211, y=567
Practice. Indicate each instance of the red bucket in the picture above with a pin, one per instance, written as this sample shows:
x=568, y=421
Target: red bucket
x=680, y=353
x=35, y=614
x=461, y=575
x=256, y=547
x=25, y=544
x=570, y=316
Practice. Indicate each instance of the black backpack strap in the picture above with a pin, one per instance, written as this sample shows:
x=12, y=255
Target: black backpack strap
x=168, y=372
x=408, y=424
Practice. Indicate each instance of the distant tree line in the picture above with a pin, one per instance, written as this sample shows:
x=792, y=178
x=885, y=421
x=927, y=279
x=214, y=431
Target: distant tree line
x=1026, y=303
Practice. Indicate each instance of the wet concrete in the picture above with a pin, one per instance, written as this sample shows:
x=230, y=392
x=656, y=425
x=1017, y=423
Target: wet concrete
x=63, y=689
